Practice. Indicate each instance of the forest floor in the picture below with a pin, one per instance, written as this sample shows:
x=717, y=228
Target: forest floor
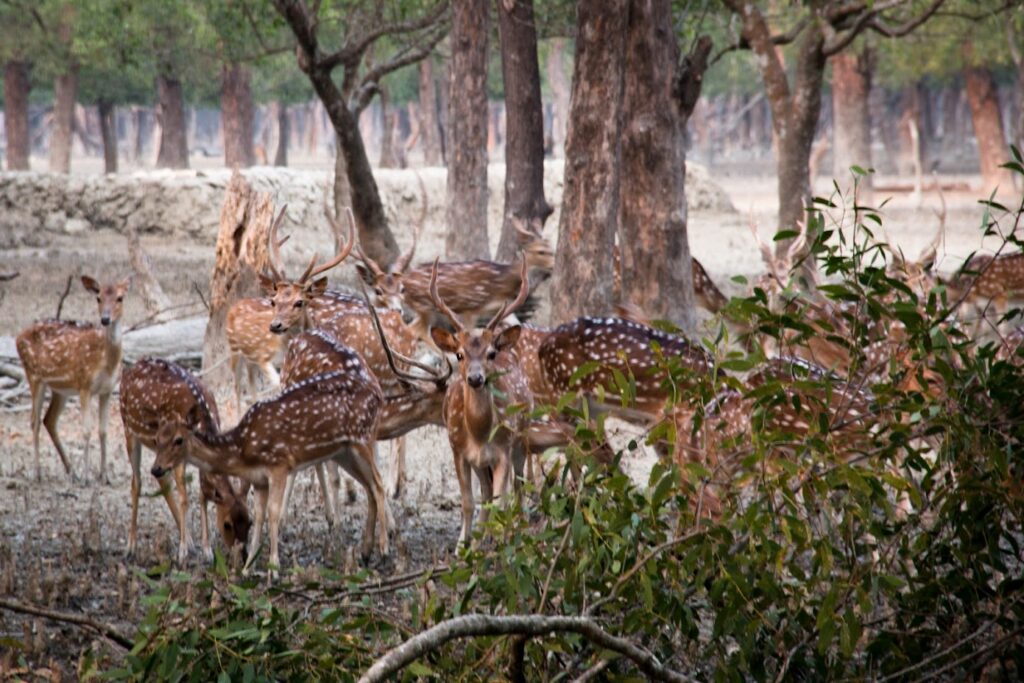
x=62, y=544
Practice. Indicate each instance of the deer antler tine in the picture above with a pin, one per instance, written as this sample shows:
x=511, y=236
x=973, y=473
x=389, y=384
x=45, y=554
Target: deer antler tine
x=524, y=291
x=439, y=303
x=798, y=243
x=766, y=251
x=309, y=269
x=391, y=354
x=343, y=254
x=275, y=262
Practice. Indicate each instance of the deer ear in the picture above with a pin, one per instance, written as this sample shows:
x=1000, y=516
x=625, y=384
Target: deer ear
x=194, y=417
x=267, y=284
x=508, y=337
x=90, y=284
x=444, y=339
x=125, y=283
x=365, y=274
x=317, y=287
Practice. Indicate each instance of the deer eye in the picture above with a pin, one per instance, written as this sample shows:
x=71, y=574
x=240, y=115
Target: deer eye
x=120, y=299
x=459, y=356
x=298, y=304
x=227, y=526
x=379, y=291
x=179, y=440
x=492, y=354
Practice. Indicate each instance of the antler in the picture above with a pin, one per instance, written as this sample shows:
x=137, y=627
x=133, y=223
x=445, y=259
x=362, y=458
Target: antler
x=391, y=354
x=766, y=252
x=275, y=263
x=930, y=252
x=797, y=245
x=312, y=270
x=439, y=303
x=508, y=309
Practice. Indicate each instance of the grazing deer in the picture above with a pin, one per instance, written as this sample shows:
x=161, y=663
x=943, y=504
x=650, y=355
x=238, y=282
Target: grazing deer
x=75, y=358
x=487, y=437
x=154, y=389
x=987, y=280
x=475, y=290
x=327, y=417
x=706, y=293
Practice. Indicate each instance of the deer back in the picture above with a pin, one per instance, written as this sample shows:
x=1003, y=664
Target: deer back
x=991, y=277
x=65, y=355
x=357, y=331
x=154, y=388
x=471, y=289
x=705, y=291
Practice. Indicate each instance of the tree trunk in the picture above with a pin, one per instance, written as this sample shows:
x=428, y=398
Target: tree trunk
x=988, y=126
x=851, y=123
x=387, y=132
x=467, y=133
x=173, y=141
x=16, y=89
x=652, y=211
x=430, y=131
x=584, y=275
x=560, y=90
x=108, y=132
x=283, y=132
x=237, y=112
x=524, y=144
x=65, y=90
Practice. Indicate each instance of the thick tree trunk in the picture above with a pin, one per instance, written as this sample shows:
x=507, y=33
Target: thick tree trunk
x=237, y=112
x=430, y=130
x=652, y=211
x=283, y=133
x=467, y=133
x=988, y=127
x=524, y=144
x=65, y=90
x=851, y=123
x=173, y=132
x=108, y=132
x=16, y=89
x=584, y=275
x=560, y=90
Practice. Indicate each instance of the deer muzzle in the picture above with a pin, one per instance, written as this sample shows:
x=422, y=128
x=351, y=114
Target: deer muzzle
x=476, y=379
x=105, y=320
x=158, y=471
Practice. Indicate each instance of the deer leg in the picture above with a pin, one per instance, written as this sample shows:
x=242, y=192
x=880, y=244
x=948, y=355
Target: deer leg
x=104, y=418
x=257, y=531
x=358, y=461
x=270, y=374
x=288, y=495
x=464, y=473
x=334, y=484
x=38, y=392
x=84, y=399
x=398, y=473
x=204, y=529
x=57, y=403
x=325, y=493
x=237, y=363
x=134, y=449
x=275, y=504
x=485, y=475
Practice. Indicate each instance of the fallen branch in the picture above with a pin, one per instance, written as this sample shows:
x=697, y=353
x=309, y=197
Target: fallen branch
x=12, y=370
x=108, y=632
x=4, y=277
x=478, y=625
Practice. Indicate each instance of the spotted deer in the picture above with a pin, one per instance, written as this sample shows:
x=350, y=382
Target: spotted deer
x=989, y=281
x=75, y=358
x=327, y=417
x=487, y=404
x=154, y=389
x=706, y=293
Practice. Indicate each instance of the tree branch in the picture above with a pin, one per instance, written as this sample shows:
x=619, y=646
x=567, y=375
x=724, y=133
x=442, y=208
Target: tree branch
x=351, y=54
x=780, y=39
x=369, y=82
x=478, y=625
x=108, y=632
x=870, y=18
x=877, y=25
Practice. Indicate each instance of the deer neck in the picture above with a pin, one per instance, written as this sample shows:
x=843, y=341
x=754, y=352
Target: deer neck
x=479, y=412
x=112, y=348
x=216, y=453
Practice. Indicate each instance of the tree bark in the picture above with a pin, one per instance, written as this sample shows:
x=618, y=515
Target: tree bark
x=988, y=125
x=16, y=90
x=237, y=112
x=851, y=123
x=65, y=90
x=524, y=123
x=430, y=130
x=283, y=133
x=584, y=273
x=388, y=159
x=173, y=133
x=108, y=132
x=560, y=90
x=467, y=133
x=657, y=101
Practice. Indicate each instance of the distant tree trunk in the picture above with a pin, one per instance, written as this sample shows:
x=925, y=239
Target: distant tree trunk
x=467, y=133
x=430, y=131
x=910, y=138
x=584, y=274
x=65, y=90
x=1016, y=50
x=237, y=112
x=555, y=68
x=988, y=125
x=173, y=132
x=108, y=132
x=524, y=144
x=851, y=127
x=16, y=90
x=388, y=159
x=283, y=133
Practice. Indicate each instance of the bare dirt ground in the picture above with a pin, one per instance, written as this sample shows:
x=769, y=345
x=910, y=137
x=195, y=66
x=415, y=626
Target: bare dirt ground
x=62, y=543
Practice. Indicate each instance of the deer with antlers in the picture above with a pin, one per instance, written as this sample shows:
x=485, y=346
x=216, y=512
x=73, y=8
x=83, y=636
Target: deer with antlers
x=154, y=389
x=487, y=436
x=75, y=358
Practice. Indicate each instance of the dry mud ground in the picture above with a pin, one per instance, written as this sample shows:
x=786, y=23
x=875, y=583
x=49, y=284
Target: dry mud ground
x=62, y=543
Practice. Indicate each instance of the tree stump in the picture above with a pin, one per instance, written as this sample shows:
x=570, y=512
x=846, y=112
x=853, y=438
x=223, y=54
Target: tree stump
x=242, y=253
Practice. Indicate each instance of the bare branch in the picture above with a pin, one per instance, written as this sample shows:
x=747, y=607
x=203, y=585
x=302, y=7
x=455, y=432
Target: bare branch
x=67, y=290
x=351, y=54
x=781, y=39
x=406, y=56
x=108, y=632
x=870, y=18
x=478, y=625
x=903, y=29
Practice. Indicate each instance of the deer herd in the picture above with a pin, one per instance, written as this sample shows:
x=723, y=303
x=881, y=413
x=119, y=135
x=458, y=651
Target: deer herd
x=348, y=371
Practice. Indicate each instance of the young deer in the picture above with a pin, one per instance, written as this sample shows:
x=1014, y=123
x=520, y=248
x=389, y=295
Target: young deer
x=154, y=389
x=987, y=280
x=487, y=437
x=332, y=416
x=73, y=358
